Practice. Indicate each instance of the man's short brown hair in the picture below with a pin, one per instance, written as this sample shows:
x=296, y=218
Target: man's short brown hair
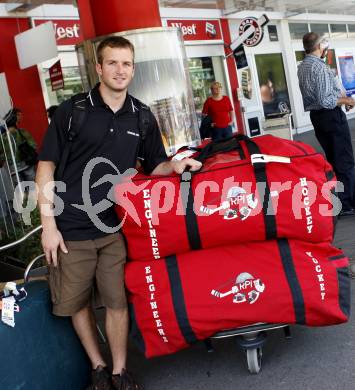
x=113, y=42
x=310, y=41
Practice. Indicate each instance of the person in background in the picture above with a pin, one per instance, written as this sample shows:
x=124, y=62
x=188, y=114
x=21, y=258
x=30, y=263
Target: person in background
x=323, y=97
x=267, y=91
x=50, y=111
x=23, y=145
x=219, y=108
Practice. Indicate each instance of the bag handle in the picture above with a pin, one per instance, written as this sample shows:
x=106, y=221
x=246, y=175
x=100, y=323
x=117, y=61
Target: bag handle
x=262, y=185
x=228, y=145
x=216, y=147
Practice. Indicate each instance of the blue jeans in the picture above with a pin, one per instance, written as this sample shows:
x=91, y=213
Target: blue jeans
x=219, y=133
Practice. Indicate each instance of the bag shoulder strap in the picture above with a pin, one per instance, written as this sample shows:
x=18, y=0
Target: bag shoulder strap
x=78, y=116
x=144, y=123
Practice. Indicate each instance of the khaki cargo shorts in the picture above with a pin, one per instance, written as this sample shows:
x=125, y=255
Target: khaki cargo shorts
x=90, y=269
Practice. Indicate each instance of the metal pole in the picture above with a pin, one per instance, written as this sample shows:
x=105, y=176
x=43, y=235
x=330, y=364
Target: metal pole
x=13, y=158
x=24, y=238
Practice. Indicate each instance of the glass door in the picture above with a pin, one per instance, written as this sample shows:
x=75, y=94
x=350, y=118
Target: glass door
x=272, y=84
x=203, y=71
x=72, y=85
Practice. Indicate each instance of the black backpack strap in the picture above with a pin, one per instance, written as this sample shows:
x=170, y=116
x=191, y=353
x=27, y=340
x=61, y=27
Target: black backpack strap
x=78, y=116
x=144, y=123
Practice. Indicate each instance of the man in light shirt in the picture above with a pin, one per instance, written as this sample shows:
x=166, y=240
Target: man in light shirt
x=323, y=97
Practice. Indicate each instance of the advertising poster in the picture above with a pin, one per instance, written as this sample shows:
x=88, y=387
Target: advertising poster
x=247, y=89
x=347, y=72
x=240, y=57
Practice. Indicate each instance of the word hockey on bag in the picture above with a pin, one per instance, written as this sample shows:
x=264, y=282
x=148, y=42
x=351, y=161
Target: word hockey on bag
x=181, y=299
x=246, y=191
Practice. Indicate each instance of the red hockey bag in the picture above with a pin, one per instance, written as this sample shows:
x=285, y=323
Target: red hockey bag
x=177, y=301
x=244, y=192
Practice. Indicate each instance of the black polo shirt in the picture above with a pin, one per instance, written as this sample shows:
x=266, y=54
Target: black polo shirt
x=113, y=136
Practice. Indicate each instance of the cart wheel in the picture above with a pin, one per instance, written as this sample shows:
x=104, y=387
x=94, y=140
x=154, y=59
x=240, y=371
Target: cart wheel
x=254, y=360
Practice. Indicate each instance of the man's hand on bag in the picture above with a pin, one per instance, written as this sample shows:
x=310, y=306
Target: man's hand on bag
x=180, y=166
x=168, y=167
x=52, y=240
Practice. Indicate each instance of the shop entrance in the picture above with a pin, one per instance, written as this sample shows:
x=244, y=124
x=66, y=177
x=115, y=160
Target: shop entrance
x=272, y=84
x=203, y=71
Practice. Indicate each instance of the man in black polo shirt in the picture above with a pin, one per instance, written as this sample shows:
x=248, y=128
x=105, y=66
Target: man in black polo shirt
x=79, y=253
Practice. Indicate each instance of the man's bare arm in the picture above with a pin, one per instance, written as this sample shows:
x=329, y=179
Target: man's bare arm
x=51, y=237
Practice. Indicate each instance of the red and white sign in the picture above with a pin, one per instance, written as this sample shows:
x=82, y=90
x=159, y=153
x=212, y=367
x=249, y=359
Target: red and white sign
x=56, y=76
x=197, y=30
x=255, y=28
x=67, y=31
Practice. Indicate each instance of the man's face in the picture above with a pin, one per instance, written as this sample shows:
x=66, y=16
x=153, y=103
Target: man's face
x=117, y=68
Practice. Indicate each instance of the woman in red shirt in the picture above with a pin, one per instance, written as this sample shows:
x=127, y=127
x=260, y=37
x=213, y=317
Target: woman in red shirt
x=219, y=109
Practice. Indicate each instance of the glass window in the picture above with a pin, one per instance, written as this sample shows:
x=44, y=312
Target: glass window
x=338, y=30
x=272, y=82
x=202, y=75
x=72, y=85
x=330, y=59
x=320, y=28
x=297, y=30
x=351, y=29
x=300, y=56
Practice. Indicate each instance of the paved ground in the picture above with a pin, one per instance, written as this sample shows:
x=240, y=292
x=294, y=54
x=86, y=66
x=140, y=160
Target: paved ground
x=315, y=358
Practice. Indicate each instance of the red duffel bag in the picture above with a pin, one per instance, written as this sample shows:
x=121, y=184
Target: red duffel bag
x=244, y=192
x=179, y=300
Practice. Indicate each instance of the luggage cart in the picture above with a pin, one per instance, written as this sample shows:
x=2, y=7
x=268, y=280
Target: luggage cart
x=279, y=126
x=251, y=339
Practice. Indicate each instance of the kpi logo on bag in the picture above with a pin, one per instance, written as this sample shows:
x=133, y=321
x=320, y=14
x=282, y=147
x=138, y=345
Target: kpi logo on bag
x=245, y=289
x=238, y=204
